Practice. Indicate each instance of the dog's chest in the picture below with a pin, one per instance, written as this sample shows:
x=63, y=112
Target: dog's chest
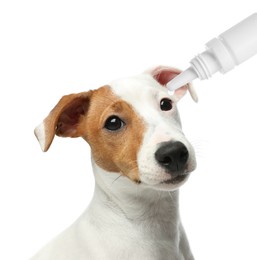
x=115, y=237
x=132, y=242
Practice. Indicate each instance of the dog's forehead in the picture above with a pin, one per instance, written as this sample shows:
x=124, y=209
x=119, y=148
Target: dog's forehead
x=140, y=91
x=136, y=86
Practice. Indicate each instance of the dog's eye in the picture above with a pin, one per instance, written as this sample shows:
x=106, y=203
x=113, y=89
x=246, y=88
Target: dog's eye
x=114, y=123
x=166, y=104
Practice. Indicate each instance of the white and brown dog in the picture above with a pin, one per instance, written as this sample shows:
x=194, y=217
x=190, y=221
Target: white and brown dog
x=140, y=158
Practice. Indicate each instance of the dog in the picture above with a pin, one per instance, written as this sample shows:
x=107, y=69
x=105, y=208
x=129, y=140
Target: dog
x=140, y=157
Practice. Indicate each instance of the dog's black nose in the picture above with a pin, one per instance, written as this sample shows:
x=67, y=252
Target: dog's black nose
x=172, y=156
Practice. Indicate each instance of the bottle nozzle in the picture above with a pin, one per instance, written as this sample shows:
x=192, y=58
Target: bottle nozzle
x=182, y=79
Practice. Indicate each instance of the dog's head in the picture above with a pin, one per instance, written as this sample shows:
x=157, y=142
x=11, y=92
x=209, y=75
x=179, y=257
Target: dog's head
x=132, y=127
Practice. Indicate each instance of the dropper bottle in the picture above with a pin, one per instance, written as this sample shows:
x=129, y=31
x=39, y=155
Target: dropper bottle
x=223, y=53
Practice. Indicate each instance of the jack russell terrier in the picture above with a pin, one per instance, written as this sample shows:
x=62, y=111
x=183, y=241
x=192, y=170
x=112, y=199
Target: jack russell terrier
x=140, y=158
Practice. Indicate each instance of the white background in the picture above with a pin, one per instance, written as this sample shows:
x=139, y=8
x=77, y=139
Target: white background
x=50, y=48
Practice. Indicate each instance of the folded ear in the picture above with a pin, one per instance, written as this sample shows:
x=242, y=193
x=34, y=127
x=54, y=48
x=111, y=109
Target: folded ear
x=63, y=120
x=165, y=74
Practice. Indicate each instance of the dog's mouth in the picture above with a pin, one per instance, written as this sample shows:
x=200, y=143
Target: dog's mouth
x=176, y=180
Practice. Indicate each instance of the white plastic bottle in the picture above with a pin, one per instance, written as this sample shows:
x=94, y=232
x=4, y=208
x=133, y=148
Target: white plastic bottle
x=223, y=53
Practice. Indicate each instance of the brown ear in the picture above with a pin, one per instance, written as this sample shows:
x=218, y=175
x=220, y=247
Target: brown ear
x=63, y=119
x=165, y=74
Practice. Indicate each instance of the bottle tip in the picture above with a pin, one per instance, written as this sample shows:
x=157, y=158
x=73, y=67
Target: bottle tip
x=182, y=79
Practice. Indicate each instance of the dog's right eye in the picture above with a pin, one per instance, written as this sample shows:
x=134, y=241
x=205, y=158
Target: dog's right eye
x=166, y=104
x=114, y=123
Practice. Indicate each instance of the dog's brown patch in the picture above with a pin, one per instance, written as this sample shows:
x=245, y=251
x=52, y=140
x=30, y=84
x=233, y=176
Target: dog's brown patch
x=114, y=151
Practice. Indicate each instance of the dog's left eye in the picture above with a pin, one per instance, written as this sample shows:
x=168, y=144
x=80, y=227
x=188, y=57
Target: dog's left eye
x=166, y=104
x=114, y=123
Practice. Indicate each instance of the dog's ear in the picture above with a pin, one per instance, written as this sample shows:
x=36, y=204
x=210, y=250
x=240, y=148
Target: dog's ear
x=63, y=120
x=165, y=74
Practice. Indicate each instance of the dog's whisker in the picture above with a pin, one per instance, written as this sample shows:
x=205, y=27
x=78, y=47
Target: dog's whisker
x=132, y=172
x=199, y=147
x=116, y=178
x=169, y=192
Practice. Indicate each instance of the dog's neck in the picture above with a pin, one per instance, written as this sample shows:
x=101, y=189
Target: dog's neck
x=138, y=217
x=139, y=204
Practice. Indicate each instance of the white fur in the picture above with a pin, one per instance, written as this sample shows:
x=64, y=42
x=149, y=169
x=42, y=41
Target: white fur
x=123, y=221
x=126, y=220
x=40, y=134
